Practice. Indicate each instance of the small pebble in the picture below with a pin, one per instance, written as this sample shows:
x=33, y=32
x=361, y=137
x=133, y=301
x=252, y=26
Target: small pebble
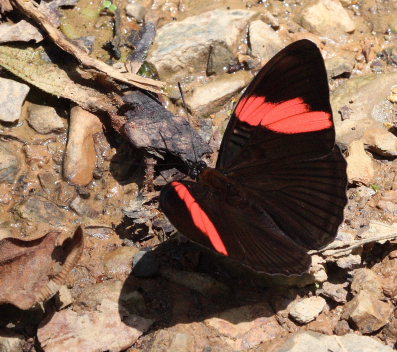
x=12, y=97
x=44, y=119
x=136, y=11
x=307, y=309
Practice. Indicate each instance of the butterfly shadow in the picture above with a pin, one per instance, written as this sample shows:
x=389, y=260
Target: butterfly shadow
x=188, y=283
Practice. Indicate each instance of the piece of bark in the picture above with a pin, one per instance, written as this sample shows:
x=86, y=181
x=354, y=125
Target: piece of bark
x=152, y=127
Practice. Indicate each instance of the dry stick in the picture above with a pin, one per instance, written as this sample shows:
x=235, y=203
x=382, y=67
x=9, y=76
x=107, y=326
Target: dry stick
x=30, y=9
x=359, y=243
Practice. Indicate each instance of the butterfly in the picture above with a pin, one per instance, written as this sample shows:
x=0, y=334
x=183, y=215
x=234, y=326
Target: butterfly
x=279, y=185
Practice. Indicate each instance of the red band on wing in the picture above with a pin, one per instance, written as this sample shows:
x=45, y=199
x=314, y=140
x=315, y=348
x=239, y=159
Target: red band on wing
x=200, y=218
x=292, y=116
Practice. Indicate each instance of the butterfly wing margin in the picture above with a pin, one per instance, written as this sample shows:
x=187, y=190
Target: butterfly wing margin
x=238, y=230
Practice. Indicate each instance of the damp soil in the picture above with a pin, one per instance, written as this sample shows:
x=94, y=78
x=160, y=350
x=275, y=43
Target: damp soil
x=119, y=178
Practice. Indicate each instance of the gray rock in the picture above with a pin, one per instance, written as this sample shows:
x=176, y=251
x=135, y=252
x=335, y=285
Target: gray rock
x=365, y=279
x=264, y=41
x=83, y=207
x=364, y=98
x=209, y=98
x=336, y=292
x=327, y=18
x=11, y=342
x=10, y=164
x=307, y=309
x=339, y=65
x=220, y=58
x=44, y=119
x=136, y=10
x=12, y=97
x=312, y=341
x=368, y=312
x=181, y=48
x=56, y=190
x=36, y=209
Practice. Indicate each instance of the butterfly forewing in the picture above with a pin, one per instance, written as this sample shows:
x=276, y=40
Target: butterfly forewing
x=289, y=96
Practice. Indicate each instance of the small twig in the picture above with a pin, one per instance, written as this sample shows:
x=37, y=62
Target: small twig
x=30, y=9
x=150, y=164
x=335, y=248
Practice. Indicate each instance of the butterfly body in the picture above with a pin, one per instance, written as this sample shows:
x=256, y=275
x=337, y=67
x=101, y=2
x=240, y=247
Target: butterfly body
x=278, y=188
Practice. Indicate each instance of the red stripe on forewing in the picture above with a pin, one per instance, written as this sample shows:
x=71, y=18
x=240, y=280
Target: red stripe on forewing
x=200, y=218
x=291, y=116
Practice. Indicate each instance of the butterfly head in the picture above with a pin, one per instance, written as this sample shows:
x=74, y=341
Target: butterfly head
x=195, y=169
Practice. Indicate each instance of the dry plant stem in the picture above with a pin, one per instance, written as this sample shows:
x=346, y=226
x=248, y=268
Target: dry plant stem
x=335, y=249
x=30, y=9
x=150, y=164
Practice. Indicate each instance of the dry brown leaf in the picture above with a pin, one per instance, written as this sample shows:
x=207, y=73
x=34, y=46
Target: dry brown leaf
x=27, y=268
x=30, y=65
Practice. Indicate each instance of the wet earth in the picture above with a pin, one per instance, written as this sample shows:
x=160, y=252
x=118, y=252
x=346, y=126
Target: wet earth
x=126, y=282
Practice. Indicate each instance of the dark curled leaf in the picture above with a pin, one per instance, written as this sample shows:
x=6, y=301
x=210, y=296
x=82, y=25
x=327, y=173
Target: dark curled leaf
x=141, y=41
x=152, y=127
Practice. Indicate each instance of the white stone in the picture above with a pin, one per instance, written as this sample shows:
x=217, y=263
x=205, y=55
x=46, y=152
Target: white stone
x=136, y=10
x=12, y=97
x=44, y=119
x=328, y=18
x=307, y=309
x=208, y=98
x=265, y=42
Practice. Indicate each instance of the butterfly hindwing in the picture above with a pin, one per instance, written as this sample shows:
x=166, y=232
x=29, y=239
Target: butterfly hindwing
x=241, y=232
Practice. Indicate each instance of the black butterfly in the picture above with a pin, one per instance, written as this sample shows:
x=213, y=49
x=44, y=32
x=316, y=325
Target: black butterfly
x=279, y=186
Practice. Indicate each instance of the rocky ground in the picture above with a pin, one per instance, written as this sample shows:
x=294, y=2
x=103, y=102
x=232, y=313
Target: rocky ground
x=133, y=289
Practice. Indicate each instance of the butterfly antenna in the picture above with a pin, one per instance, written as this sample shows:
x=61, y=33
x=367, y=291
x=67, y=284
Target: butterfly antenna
x=163, y=177
x=188, y=118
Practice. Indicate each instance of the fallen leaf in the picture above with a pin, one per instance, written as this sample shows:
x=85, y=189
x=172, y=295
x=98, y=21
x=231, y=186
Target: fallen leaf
x=28, y=274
